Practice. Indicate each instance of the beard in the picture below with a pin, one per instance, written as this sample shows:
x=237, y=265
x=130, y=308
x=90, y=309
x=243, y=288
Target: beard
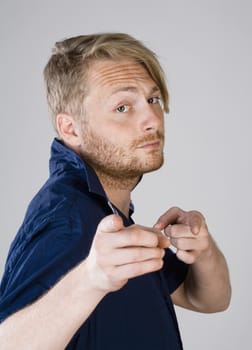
x=120, y=164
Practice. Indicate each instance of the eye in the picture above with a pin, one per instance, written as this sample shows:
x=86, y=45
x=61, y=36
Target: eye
x=154, y=100
x=122, y=109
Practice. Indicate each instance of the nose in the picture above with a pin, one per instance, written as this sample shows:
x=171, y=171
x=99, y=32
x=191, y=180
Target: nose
x=152, y=118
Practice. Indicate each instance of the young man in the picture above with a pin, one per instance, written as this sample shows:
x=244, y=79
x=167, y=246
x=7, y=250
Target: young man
x=80, y=274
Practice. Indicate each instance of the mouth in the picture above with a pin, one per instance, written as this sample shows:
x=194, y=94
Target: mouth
x=151, y=145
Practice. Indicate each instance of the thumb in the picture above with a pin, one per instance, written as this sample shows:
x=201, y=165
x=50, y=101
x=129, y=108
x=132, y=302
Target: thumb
x=170, y=217
x=111, y=223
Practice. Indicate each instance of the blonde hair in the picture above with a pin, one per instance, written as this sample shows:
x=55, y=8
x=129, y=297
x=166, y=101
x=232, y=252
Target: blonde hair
x=66, y=71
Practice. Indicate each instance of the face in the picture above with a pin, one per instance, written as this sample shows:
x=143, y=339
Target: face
x=123, y=127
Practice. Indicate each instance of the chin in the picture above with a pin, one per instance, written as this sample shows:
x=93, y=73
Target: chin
x=155, y=166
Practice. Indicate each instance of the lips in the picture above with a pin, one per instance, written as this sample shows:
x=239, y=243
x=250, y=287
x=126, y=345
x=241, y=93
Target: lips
x=150, y=144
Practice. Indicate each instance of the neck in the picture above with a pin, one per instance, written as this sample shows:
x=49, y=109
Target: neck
x=118, y=191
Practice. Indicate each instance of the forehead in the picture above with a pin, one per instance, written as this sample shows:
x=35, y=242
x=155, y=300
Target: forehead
x=112, y=74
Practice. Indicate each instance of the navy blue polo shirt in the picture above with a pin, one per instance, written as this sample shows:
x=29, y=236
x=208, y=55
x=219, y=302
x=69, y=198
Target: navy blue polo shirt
x=56, y=235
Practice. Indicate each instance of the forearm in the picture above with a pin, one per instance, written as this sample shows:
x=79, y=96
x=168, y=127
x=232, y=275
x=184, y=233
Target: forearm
x=51, y=322
x=207, y=286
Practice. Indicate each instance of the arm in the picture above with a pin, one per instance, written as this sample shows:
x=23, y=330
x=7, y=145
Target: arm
x=207, y=286
x=117, y=254
x=51, y=321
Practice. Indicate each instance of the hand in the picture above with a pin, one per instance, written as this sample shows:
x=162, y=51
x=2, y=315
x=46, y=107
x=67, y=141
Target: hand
x=187, y=232
x=119, y=253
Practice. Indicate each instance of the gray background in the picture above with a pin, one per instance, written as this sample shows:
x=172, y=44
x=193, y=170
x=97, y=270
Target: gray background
x=205, y=48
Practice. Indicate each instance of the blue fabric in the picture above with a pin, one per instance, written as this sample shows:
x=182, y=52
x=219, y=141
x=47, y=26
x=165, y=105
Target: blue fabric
x=56, y=235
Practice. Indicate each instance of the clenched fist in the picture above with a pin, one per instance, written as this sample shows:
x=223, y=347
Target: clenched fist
x=187, y=232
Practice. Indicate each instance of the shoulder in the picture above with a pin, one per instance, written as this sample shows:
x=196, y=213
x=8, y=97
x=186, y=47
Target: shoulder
x=61, y=218
x=66, y=199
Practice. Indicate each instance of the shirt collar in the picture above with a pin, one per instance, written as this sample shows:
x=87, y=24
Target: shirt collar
x=63, y=159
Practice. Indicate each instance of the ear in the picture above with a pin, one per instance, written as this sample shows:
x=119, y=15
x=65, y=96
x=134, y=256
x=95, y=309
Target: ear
x=68, y=129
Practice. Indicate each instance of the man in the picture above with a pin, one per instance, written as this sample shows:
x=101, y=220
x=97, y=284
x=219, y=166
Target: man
x=80, y=274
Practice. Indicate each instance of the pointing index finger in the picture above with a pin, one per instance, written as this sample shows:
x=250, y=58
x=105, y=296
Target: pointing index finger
x=195, y=221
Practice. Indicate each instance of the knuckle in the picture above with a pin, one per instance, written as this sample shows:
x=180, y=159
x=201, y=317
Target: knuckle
x=157, y=264
x=175, y=209
x=191, y=259
x=137, y=269
x=178, y=243
x=161, y=263
x=174, y=242
x=205, y=244
x=204, y=233
x=198, y=214
x=157, y=253
x=135, y=235
x=155, y=240
x=162, y=253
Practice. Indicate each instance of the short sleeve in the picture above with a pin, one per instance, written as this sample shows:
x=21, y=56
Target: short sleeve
x=174, y=270
x=47, y=256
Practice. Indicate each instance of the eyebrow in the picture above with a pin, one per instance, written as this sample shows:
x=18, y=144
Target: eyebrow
x=155, y=88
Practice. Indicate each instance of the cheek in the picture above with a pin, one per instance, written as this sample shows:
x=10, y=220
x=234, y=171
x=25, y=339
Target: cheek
x=118, y=134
